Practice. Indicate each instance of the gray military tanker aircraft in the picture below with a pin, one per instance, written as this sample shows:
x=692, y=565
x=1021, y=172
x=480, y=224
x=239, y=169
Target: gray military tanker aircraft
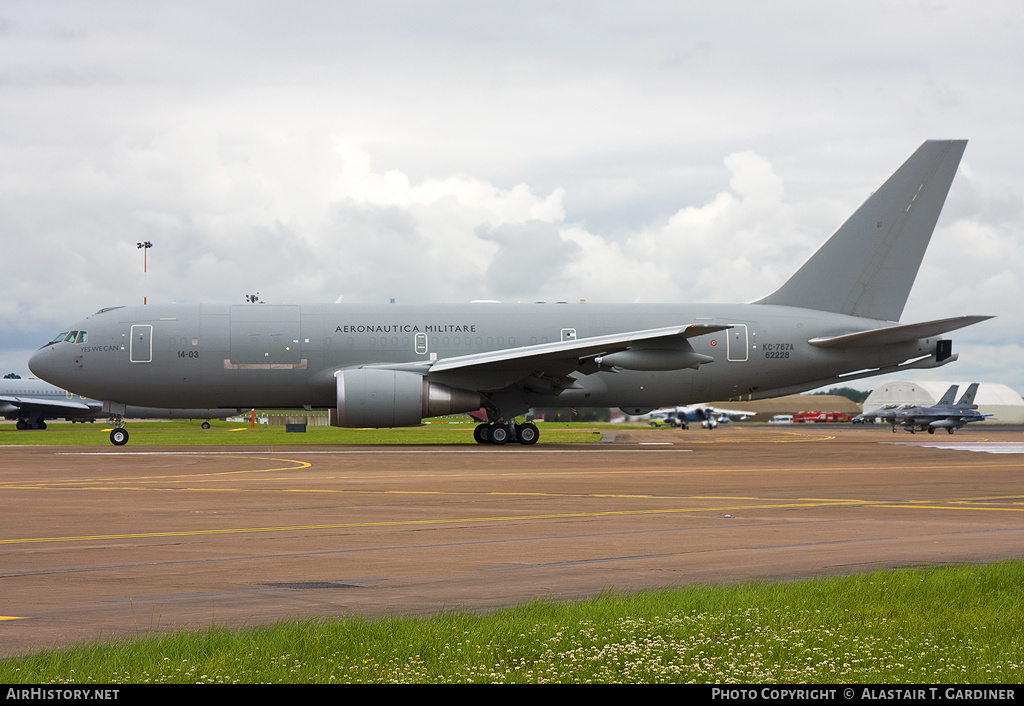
x=390, y=365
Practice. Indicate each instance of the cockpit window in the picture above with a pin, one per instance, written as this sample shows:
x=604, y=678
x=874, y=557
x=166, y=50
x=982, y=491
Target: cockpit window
x=70, y=337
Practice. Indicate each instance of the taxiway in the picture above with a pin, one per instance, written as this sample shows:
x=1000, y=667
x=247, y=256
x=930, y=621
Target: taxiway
x=107, y=543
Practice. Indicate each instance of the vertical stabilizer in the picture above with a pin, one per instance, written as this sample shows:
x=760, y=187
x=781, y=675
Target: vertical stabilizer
x=968, y=399
x=869, y=264
x=949, y=398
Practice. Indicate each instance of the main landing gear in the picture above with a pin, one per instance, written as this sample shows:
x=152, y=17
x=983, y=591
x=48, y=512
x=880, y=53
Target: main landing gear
x=501, y=433
x=25, y=424
x=931, y=430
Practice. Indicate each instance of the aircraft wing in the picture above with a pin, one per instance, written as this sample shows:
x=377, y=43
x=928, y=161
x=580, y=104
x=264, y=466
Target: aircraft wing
x=46, y=405
x=553, y=362
x=729, y=412
x=901, y=333
x=702, y=408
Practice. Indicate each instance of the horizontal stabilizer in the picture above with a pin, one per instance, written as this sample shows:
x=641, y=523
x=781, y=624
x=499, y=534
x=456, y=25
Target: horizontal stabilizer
x=889, y=335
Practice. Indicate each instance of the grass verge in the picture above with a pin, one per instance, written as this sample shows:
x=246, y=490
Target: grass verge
x=189, y=433
x=955, y=624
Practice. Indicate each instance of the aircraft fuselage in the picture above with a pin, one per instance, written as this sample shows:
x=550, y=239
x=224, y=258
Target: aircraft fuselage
x=287, y=356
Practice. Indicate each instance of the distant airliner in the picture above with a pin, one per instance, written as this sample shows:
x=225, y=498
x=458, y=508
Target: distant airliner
x=391, y=365
x=32, y=402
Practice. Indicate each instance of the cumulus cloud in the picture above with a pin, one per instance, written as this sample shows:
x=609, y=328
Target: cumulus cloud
x=737, y=246
x=457, y=152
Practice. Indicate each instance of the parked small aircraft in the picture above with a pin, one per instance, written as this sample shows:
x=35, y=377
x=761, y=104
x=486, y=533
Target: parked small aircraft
x=944, y=415
x=890, y=412
x=708, y=417
x=391, y=365
x=31, y=402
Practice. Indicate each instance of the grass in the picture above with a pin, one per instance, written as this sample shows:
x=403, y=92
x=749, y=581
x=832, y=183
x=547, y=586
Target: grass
x=955, y=624
x=189, y=433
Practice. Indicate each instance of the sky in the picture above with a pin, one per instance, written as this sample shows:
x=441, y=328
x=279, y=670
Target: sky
x=533, y=151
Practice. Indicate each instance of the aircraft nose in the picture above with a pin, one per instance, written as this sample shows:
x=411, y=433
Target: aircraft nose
x=43, y=365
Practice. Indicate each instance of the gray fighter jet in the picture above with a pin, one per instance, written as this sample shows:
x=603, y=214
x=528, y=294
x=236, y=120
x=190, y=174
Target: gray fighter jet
x=886, y=414
x=944, y=415
x=32, y=402
x=891, y=413
x=391, y=365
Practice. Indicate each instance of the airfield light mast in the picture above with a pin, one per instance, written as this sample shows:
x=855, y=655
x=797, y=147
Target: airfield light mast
x=145, y=247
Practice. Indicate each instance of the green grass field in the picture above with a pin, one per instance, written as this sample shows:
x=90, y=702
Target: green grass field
x=189, y=433
x=958, y=624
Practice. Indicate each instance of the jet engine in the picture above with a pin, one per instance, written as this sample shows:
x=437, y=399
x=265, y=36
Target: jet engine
x=376, y=397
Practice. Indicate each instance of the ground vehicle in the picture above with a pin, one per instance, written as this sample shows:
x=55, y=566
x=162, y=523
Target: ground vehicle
x=820, y=417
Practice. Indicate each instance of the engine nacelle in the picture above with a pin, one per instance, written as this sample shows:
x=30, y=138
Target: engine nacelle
x=374, y=397
x=654, y=359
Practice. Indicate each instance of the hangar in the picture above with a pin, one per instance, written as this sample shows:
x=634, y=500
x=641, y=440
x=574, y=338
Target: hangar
x=1005, y=405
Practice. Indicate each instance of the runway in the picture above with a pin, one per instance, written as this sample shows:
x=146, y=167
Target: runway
x=105, y=543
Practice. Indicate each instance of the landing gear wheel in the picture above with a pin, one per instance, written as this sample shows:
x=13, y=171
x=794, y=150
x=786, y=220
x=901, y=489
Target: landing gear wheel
x=528, y=434
x=206, y=425
x=21, y=425
x=931, y=430
x=119, y=437
x=950, y=430
x=499, y=434
x=482, y=433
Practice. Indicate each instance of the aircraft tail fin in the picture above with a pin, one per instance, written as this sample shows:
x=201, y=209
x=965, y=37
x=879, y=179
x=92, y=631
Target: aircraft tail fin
x=869, y=264
x=968, y=398
x=949, y=398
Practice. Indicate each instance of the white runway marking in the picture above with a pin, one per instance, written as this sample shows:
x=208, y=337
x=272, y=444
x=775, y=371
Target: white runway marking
x=990, y=447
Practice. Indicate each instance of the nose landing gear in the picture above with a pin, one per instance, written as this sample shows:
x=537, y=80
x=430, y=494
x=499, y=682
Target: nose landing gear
x=118, y=435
